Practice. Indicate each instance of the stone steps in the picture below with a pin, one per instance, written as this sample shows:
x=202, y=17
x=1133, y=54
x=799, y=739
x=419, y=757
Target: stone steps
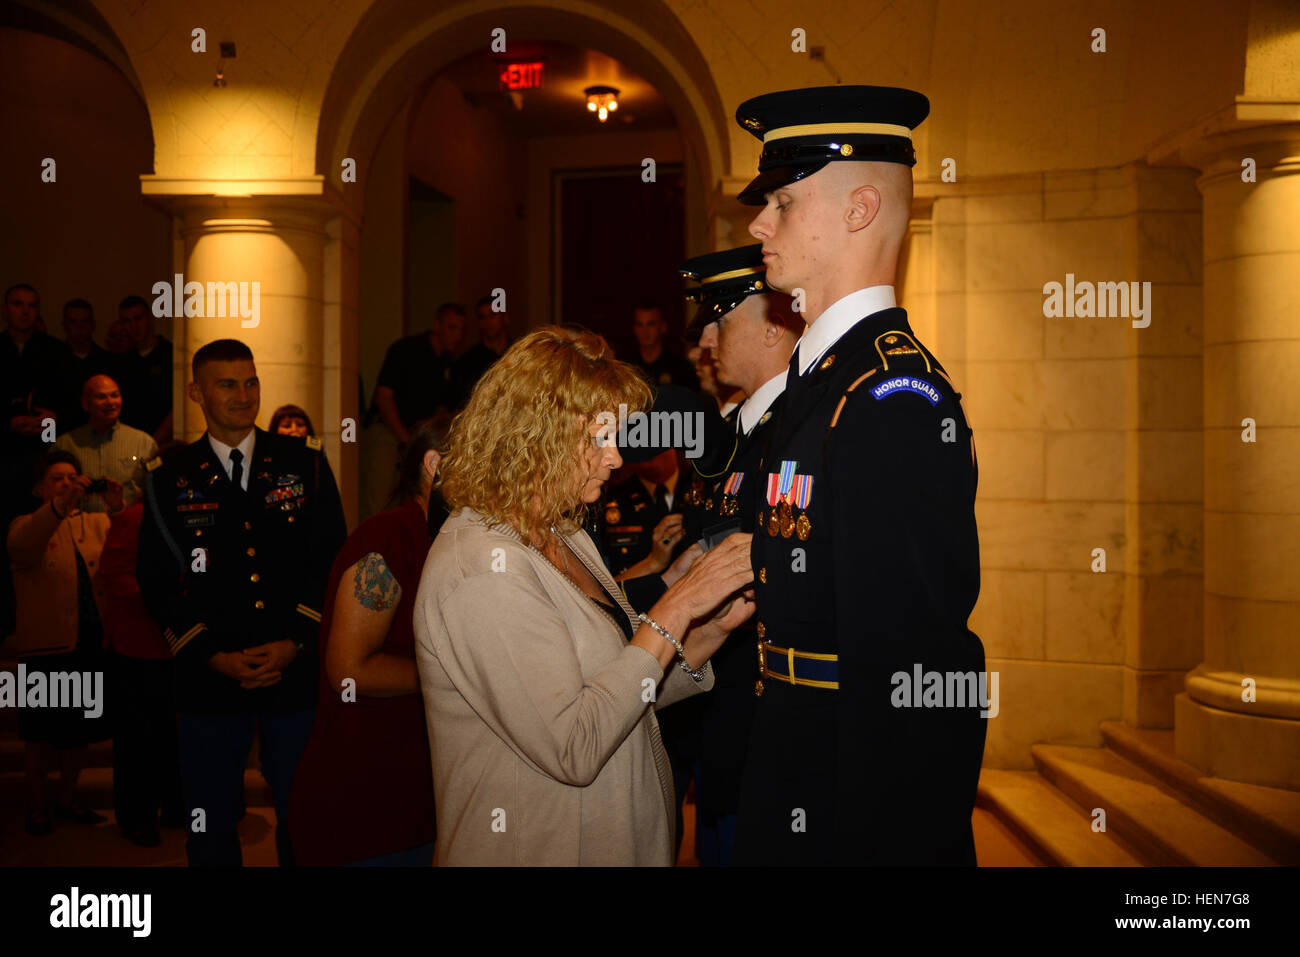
x=1162, y=828
x=1267, y=818
x=1049, y=823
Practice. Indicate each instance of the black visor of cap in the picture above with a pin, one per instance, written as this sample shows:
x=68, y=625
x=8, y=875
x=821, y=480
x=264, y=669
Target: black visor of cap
x=756, y=192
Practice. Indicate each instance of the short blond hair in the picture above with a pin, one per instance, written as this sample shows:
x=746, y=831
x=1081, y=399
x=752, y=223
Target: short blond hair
x=514, y=450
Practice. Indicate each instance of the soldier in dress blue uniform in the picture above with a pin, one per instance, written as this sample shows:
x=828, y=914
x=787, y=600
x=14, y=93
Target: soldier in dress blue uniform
x=751, y=331
x=239, y=532
x=865, y=551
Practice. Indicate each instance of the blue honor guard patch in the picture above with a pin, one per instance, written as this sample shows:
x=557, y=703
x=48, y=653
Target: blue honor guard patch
x=904, y=383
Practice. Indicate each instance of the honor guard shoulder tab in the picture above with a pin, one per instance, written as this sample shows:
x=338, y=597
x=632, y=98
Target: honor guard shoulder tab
x=313, y=443
x=153, y=463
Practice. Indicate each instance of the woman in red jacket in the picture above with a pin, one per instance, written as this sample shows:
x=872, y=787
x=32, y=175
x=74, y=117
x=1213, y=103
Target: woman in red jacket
x=363, y=792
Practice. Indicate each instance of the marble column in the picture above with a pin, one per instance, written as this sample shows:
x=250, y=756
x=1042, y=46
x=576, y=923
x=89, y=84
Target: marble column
x=1240, y=716
x=302, y=253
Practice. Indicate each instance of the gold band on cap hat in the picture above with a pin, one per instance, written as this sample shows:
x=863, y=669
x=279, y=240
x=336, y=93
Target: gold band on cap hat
x=836, y=129
x=733, y=273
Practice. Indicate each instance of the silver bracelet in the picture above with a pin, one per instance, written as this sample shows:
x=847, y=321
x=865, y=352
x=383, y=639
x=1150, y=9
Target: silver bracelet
x=696, y=676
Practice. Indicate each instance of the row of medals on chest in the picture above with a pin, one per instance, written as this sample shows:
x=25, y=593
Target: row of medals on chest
x=782, y=520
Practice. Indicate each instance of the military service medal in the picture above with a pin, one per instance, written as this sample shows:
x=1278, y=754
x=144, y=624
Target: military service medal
x=730, y=506
x=802, y=496
x=773, y=498
x=787, y=476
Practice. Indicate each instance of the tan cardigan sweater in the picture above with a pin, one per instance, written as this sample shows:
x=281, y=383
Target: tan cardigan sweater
x=544, y=752
x=42, y=553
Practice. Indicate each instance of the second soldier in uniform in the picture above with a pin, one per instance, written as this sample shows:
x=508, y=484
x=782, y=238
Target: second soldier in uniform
x=239, y=532
x=751, y=331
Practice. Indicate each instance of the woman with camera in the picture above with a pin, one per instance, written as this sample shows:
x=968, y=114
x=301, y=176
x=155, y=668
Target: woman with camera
x=54, y=553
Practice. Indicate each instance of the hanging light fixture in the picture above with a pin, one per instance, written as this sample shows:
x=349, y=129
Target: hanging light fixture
x=602, y=100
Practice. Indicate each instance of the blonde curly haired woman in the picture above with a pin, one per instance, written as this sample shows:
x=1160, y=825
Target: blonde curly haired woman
x=540, y=682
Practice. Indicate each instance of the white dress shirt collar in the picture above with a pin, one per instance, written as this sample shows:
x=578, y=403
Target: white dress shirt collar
x=245, y=446
x=838, y=318
x=752, y=409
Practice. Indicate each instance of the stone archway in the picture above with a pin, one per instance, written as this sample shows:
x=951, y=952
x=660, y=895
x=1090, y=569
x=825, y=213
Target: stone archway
x=396, y=50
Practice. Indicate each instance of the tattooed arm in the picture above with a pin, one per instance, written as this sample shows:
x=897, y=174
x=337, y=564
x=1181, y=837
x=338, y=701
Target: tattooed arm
x=364, y=608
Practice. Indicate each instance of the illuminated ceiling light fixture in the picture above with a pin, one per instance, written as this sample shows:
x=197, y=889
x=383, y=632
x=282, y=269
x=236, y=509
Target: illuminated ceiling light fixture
x=602, y=100
x=227, y=53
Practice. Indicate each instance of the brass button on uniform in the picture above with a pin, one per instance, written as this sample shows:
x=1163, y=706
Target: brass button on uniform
x=248, y=526
x=198, y=533
x=290, y=519
x=762, y=575
x=259, y=604
x=255, y=577
x=762, y=630
x=250, y=552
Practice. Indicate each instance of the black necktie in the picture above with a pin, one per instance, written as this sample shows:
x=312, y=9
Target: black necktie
x=237, y=468
x=661, y=499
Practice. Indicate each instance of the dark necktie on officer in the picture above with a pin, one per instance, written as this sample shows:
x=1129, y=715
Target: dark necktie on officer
x=237, y=468
x=661, y=498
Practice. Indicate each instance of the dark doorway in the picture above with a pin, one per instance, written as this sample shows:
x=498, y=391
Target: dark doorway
x=619, y=241
x=430, y=255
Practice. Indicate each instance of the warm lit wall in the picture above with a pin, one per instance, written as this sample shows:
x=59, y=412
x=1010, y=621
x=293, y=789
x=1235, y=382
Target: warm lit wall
x=471, y=156
x=90, y=234
x=1069, y=413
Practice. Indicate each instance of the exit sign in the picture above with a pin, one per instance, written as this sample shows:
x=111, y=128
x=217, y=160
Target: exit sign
x=522, y=75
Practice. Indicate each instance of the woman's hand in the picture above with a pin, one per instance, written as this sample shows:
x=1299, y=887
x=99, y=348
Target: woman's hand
x=704, y=640
x=667, y=534
x=707, y=584
x=710, y=580
x=673, y=573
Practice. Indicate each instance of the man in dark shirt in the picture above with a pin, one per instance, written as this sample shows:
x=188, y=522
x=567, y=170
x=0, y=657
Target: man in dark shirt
x=494, y=339
x=415, y=381
x=85, y=358
x=660, y=366
x=146, y=373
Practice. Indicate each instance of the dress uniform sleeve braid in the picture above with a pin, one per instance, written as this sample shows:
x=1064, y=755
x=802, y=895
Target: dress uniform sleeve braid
x=164, y=575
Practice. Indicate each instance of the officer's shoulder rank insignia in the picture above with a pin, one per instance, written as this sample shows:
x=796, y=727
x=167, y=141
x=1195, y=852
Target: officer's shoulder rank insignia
x=313, y=443
x=154, y=462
